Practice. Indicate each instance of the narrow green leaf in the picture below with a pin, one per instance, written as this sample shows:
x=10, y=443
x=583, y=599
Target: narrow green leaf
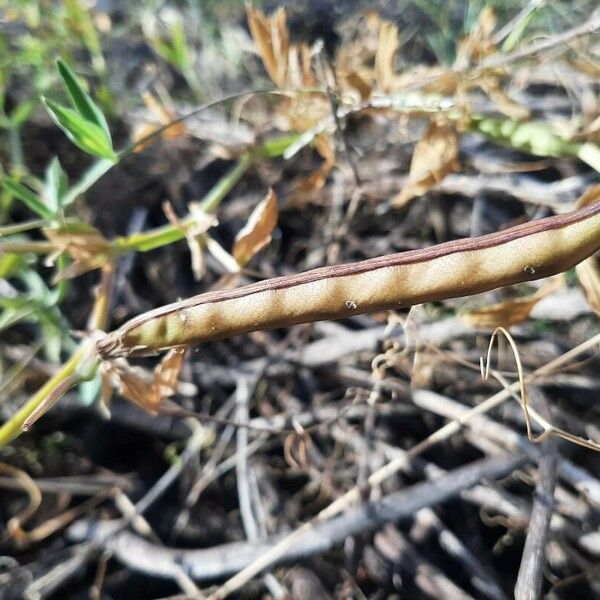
x=28, y=197
x=85, y=134
x=179, y=46
x=81, y=100
x=11, y=316
x=55, y=185
x=89, y=391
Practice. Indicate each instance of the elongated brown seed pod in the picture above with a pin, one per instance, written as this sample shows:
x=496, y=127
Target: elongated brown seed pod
x=458, y=268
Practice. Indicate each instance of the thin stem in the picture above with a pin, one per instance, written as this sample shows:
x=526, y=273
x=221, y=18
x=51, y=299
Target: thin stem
x=167, y=234
x=14, y=426
x=31, y=247
x=16, y=148
x=70, y=373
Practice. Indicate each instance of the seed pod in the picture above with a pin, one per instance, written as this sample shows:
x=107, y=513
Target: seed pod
x=458, y=268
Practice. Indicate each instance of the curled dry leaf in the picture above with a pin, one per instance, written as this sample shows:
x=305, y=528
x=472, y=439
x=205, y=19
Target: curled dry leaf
x=256, y=234
x=479, y=43
x=135, y=384
x=511, y=312
x=435, y=155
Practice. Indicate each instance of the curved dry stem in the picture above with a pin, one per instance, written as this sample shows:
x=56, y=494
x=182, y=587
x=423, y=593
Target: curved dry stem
x=14, y=527
x=530, y=413
x=485, y=373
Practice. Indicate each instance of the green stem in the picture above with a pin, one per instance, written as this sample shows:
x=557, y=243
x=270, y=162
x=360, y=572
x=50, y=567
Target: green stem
x=13, y=427
x=156, y=238
x=16, y=149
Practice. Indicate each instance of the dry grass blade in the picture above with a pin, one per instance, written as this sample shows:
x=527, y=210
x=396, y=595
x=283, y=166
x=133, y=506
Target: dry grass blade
x=256, y=234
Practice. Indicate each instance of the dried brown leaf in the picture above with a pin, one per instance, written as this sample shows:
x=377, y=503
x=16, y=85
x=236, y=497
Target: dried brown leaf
x=136, y=385
x=480, y=42
x=256, y=234
x=511, y=312
x=435, y=155
x=492, y=87
x=166, y=373
x=271, y=37
x=384, y=57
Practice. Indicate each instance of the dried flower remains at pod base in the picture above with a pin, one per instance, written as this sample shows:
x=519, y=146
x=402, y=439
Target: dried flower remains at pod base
x=458, y=268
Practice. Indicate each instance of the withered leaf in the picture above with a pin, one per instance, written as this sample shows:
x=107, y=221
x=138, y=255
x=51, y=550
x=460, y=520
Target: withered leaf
x=256, y=234
x=271, y=36
x=479, y=43
x=148, y=392
x=166, y=373
x=384, y=57
x=511, y=312
x=435, y=155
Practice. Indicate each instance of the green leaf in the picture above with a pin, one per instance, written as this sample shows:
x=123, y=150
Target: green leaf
x=55, y=185
x=89, y=391
x=85, y=134
x=10, y=263
x=12, y=316
x=179, y=46
x=28, y=197
x=82, y=101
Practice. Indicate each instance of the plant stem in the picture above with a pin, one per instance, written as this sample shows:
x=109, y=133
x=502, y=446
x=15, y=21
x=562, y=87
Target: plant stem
x=16, y=149
x=161, y=236
x=13, y=427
